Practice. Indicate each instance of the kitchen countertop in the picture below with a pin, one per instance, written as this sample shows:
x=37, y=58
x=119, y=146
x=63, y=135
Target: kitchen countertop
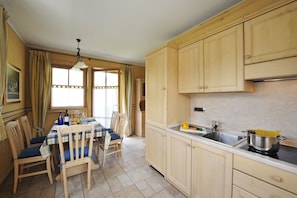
x=236, y=150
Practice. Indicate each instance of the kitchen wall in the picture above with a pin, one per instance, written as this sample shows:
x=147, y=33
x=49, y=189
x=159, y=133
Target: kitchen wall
x=273, y=105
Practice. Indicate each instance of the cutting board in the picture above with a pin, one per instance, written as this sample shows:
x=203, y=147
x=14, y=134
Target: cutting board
x=289, y=142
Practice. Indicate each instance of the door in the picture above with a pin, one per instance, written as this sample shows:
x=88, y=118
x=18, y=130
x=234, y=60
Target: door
x=105, y=95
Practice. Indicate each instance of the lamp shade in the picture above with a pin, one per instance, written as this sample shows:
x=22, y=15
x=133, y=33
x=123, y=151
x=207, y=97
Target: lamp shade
x=79, y=65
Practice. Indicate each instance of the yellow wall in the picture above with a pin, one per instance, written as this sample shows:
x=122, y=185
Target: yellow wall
x=16, y=56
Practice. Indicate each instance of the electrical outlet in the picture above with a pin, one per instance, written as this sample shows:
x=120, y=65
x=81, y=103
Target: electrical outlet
x=201, y=109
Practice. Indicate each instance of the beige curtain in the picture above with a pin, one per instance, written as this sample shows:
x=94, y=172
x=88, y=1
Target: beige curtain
x=126, y=87
x=3, y=65
x=40, y=72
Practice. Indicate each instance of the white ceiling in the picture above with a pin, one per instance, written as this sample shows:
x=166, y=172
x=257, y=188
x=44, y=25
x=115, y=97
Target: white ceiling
x=117, y=30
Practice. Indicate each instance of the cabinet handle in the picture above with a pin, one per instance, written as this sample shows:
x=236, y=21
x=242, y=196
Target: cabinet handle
x=206, y=87
x=247, y=56
x=277, y=178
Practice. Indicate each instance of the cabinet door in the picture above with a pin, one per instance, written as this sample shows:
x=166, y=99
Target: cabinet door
x=155, y=147
x=223, y=66
x=240, y=193
x=271, y=36
x=211, y=172
x=190, y=68
x=178, y=170
x=156, y=88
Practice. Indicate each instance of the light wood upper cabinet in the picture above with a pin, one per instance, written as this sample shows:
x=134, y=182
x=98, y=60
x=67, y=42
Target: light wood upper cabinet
x=271, y=36
x=271, y=44
x=164, y=105
x=211, y=172
x=179, y=162
x=223, y=61
x=190, y=68
x=155, y=147
x=214, y=64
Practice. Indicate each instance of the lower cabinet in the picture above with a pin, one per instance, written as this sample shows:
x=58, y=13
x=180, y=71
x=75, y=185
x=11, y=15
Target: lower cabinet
x=211, y=172
x=155, y=149
x=178, y=171
x=255, y=179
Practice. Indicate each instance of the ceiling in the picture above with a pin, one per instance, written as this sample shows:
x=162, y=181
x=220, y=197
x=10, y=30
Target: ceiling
x=116, y=30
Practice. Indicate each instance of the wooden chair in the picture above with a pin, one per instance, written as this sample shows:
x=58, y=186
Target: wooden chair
x=25, y=157
x=115, y=145
x=112, y=127
x=75, y=152
x=36, y=141
x=114, y=121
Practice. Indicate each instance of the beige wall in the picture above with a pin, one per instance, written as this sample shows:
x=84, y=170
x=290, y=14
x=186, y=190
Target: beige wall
x=273, y=105
x=16, y=56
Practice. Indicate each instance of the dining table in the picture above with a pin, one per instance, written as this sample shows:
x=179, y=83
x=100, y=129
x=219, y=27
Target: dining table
x=50, y=145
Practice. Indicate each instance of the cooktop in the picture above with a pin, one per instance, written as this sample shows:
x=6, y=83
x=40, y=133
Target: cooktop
x=285, y=153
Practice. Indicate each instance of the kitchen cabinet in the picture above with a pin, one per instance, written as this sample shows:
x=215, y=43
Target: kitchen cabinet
x=190, y=68
x=211, y=171
x=179, y=162
x=140, y=107
x=155, y=149
x=164, y=105
x=262, y=180
x=223, y=62
x=271, y=44
x=214, y=64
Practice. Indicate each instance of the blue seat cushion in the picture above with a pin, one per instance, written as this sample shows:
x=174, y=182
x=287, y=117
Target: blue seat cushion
x=30, y=152
x=67, y=153
x=114, y=136
x=109, y=130
x=37, y=140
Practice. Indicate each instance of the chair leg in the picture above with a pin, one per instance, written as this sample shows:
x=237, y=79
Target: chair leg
x=16, y=177
x=65, y=182
x=89, y=175
x=49, y=169
x=104, y=157
x=52, y=163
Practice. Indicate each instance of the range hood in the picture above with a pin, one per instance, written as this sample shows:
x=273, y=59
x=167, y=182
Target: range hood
x=282, y=69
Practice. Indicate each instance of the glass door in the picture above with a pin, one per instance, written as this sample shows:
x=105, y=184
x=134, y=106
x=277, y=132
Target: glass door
x=105, y=95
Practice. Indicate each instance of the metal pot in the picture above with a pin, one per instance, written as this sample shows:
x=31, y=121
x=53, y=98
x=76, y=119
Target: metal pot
x=263, y=144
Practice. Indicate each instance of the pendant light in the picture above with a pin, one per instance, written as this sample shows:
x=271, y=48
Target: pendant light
x=80, y=64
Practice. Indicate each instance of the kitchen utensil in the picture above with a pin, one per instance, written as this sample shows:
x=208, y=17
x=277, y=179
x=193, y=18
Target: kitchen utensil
x=264, y=144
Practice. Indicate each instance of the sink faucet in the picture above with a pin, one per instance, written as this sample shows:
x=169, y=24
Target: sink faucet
x=215, y=125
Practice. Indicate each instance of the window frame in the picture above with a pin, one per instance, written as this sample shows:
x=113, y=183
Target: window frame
x=84, y=88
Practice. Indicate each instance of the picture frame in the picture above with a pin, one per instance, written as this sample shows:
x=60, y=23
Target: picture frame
x=13, y=86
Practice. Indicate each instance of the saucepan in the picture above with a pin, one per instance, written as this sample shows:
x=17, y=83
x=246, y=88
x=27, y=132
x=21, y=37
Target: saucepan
x=262, y=143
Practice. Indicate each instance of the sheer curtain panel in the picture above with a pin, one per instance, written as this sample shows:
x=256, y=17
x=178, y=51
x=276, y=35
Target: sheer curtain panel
x=126, y=94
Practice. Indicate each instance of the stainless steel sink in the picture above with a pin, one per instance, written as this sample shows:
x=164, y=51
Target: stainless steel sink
x=225, y=137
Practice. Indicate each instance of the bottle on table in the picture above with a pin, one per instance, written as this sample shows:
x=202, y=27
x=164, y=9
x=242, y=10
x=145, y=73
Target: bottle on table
x=66, y=118
x=60, y=119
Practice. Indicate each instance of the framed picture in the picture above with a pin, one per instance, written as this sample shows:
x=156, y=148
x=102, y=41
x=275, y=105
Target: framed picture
x=13, y=89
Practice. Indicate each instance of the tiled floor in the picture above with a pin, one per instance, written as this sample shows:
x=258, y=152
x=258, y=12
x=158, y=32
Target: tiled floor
x=129, y=177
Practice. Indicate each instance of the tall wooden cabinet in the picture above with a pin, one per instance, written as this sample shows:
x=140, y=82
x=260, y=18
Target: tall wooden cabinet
x=140, y=107
x=164, y=105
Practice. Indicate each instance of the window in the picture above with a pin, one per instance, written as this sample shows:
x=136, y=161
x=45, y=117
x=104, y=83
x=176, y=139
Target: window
x=67, y=88
x=105, y=95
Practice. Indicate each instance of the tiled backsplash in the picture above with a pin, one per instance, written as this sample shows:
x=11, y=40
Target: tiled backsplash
x=273, y=105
